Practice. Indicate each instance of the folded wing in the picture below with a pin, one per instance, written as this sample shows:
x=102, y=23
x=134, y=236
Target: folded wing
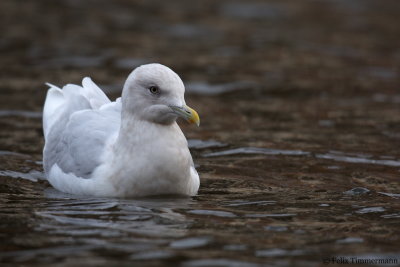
x=77, y=123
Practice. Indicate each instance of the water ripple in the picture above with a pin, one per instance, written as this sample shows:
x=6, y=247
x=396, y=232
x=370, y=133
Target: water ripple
x=202, y=144
x=21, y=113
x=358, y=158
x=32, y=175
x=393, y=163
x=203, y=88
x=193, y=242
x=217, y=213
x=370, y=210
x=218, y=263
x=256, y=150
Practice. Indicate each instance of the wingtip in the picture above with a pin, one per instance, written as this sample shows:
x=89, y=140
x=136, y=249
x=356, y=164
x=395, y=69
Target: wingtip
x=51, y=85
x=87, y=81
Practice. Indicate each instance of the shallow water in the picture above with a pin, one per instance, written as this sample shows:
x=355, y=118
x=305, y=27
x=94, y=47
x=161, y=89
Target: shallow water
x=298, y=148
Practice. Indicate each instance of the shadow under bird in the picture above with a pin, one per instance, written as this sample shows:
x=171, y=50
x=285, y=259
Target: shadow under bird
x=132, y=147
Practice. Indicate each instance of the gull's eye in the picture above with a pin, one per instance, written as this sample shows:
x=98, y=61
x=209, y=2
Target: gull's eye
x=154, y=90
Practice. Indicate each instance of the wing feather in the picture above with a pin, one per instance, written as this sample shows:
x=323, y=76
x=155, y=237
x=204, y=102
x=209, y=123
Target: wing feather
x=94, y=94
x=78, y=121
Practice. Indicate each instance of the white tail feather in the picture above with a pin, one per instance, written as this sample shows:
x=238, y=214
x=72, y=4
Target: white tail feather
x=54, y=100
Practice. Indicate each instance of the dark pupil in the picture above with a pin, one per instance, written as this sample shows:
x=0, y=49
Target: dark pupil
x=153, y=89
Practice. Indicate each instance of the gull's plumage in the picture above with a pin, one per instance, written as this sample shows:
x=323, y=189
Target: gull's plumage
x=127, y=148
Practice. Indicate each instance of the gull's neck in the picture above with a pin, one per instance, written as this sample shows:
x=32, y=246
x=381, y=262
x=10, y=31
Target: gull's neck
x=135, y=132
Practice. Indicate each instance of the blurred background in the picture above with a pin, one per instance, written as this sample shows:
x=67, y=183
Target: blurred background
x=298, y=148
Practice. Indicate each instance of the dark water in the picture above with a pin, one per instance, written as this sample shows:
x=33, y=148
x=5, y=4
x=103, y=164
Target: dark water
x=298, y=150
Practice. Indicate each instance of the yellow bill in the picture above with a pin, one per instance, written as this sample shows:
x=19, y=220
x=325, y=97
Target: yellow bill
x=187, y=113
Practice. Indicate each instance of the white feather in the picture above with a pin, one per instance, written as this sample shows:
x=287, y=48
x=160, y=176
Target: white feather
x=54, y=100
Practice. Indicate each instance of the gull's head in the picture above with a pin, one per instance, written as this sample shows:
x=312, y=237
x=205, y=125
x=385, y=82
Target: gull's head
x=155, y=93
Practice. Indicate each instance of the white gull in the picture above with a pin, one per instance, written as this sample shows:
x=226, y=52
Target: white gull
x=132, y=147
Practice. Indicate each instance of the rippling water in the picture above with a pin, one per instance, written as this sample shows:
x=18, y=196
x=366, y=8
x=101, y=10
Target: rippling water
x=298, y=150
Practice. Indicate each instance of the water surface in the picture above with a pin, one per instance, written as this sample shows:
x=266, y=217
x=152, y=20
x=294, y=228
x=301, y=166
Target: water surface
x=298, y=148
